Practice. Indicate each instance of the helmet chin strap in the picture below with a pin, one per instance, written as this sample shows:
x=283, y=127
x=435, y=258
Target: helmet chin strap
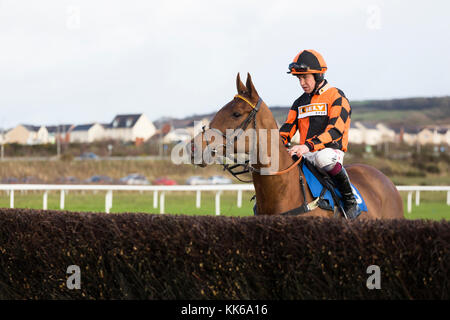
x=319, y=78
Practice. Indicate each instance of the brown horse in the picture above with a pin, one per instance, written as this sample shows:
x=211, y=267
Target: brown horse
x=280, y=192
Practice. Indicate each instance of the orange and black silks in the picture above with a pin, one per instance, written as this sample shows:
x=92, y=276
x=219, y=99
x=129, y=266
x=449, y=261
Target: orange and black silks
x=323, y=119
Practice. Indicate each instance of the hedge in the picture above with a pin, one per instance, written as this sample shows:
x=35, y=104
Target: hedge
x=151, y=256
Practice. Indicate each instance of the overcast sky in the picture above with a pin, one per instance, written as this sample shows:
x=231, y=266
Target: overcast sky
x=82, y=61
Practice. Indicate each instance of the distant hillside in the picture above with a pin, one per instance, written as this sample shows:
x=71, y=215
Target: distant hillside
x=394, y=112
x=417, y=111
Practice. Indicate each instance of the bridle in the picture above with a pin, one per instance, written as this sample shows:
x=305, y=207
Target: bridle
x=233, y=168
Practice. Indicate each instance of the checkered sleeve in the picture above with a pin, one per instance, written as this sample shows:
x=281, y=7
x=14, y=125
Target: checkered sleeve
x=289, y=128
x=337, y=126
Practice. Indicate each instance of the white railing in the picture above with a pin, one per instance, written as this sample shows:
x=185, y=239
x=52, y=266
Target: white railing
x=159, y=192
x=418, y=189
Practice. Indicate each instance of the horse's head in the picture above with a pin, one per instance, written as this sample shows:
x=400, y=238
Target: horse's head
x=233, y=128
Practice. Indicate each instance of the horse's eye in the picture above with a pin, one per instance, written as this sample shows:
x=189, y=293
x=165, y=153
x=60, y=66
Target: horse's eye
x=236, y=114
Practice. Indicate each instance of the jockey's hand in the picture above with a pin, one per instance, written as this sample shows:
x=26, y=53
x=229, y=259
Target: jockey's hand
x=298, y=150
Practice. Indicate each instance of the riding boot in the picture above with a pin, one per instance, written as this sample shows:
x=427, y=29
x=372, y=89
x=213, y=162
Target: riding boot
x=342, y=182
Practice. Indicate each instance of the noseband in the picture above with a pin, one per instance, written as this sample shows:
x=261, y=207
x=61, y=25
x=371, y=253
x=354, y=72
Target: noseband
x=241, y=128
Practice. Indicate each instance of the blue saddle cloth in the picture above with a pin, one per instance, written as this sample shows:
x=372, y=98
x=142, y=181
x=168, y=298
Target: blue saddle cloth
x=316, y=187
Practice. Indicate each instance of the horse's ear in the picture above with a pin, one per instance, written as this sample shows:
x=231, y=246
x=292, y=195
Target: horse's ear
x=251, y=87
x=241, y=89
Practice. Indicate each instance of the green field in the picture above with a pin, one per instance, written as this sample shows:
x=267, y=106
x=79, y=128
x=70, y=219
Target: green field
x=432, y=205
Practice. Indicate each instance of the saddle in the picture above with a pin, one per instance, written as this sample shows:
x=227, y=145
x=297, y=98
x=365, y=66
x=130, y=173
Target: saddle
x=322, y=187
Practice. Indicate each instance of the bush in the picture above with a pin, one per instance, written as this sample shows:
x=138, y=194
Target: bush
x=432, y=168
x=415, y=174
x=67, y=157
x=147, y=256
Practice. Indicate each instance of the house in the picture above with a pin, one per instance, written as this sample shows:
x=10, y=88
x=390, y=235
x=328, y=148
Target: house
x=426, y=136
x=408, y=134
x=177, y=135
x=355, y=134
x=371, y=135
x=86, y=133
x=445, y=134
x=433, y=135
x=130, y=127
x=441, y=135
x=387, y=134
x=437, y=136
x=62, y=131
x=27, y=134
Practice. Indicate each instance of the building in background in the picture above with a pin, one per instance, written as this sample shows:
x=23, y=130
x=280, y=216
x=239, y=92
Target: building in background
x=27, y=134
x=86, y=133
x=355, y=134
x=130, y=127
x=177, y=135
x=387, y=134
x=371, y=135
x=426, y=136
x=61, y=131
x=446, y=135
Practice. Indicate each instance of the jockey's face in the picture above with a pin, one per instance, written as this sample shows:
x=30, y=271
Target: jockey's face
x=307, y=82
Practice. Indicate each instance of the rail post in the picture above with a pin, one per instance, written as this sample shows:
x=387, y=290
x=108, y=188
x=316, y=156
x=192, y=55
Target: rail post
x=11, y=199
x=62, y=200
x=155, y=199
x=239, y=198
x=161, y=202
x=44, y=201
x=218, y=193
x=198, y=199
x=409, y=201
x=108, y=201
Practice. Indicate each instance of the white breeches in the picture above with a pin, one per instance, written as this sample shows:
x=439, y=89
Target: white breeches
x=326, y=158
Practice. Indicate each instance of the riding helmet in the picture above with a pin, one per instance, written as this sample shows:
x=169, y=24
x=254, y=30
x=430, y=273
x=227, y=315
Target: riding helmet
x=308, y=61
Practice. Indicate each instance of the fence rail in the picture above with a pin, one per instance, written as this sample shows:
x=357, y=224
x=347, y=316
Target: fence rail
x=159, y=192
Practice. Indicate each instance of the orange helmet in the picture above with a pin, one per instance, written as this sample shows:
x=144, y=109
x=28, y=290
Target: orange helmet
x=308, y=61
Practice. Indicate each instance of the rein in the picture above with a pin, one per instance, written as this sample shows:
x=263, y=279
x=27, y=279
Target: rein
x=243, y=126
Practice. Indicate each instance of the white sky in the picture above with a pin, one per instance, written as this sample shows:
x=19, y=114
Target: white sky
x=82, y=61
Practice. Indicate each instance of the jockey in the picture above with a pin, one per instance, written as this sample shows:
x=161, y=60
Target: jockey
x=322, y=116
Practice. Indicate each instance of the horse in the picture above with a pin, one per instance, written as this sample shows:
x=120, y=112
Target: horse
x=279, y=192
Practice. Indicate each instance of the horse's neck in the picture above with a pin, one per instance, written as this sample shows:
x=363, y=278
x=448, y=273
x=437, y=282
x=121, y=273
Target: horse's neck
x=278, y=193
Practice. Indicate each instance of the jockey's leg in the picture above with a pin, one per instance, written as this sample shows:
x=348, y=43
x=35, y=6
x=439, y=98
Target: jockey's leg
x=331, y=161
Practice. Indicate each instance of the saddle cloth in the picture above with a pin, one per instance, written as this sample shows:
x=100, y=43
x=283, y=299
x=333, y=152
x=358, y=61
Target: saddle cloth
x=316, y=187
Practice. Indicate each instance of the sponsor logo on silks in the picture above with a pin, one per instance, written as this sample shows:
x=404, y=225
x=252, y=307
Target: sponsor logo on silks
x=313, y=109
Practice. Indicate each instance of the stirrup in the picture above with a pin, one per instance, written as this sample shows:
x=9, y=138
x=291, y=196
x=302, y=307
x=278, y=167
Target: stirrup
x=356, y=212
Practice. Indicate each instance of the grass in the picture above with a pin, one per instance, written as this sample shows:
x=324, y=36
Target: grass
x=432, y=205
x=429, y=211
x=389, y=116
x=51, y=171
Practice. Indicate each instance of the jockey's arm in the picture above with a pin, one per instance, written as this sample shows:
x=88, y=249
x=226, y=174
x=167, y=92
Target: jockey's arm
x=289, y=128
